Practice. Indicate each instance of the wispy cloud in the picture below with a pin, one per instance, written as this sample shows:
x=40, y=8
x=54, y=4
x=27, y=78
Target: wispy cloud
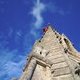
x=36, y=12
x=10, y=68
x=33, y=32
x=55, y=9
x=12, y=60
x=14, y=69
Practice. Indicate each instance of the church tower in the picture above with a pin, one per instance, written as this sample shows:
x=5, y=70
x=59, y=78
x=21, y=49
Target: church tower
x=53, y=57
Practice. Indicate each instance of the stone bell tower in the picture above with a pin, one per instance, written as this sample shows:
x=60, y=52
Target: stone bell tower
x=53, y=57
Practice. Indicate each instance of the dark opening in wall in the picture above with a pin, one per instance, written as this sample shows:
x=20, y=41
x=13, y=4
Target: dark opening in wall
x=39, y=40
x=47, y=53
x=60, y=42
x=52, y=72
x=55, y=33
x=57, y=36
x=65, y=50
x=40, y=52
x=79, y=63
x=77, y=72
x=67, y=42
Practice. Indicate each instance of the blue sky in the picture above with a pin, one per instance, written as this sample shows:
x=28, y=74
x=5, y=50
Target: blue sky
x=21, y=23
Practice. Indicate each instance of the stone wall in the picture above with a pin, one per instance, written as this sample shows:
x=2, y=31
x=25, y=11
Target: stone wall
x=50, y=59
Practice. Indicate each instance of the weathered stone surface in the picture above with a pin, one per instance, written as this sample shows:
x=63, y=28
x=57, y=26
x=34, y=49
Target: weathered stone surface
x=59, y=65
x=64, y=77
x=61, y=71
x=48, y=60
x=57, y=60
x=41, y=73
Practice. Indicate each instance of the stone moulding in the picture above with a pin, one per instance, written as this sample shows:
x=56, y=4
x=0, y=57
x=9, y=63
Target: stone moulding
x=39, y=59
x=33, y=62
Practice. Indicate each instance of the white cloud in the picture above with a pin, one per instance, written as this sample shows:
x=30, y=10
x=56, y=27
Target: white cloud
x=8, y=66
x=33, y=32
x=14, y=69
x=36, y=12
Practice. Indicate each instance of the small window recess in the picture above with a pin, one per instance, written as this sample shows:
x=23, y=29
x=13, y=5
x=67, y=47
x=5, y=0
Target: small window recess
x=65, y=50
x=40, y=52
x=77, y=71
x=67, y=43
x=39, y=40
x=57, y=36
x=60, y=42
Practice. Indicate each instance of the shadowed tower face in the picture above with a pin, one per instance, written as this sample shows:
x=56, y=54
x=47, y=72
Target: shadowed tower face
x=53, y=57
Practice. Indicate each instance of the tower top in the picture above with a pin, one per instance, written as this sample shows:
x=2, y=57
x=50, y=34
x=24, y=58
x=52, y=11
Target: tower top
x=49, y=27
